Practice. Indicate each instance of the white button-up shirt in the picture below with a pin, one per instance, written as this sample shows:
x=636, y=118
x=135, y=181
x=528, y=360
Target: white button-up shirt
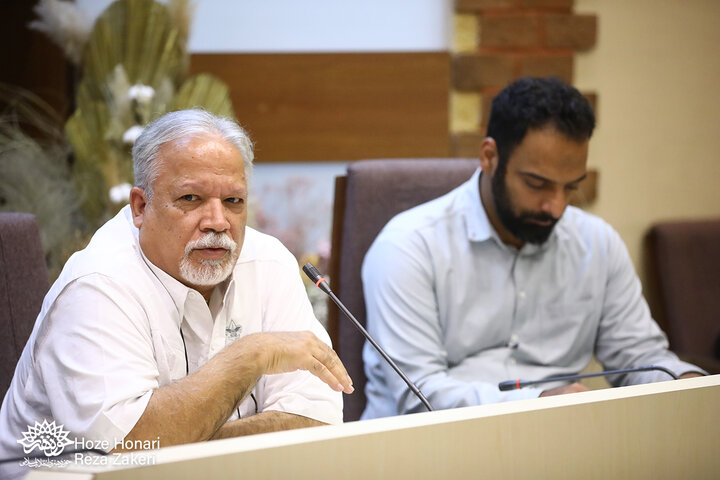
x=109, y=334
x=460, y=311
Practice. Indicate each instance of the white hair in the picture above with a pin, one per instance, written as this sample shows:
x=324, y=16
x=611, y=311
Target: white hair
x=181, y=124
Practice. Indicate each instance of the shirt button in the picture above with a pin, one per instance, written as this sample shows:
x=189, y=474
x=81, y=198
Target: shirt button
x=521, y=294
x=513, y=361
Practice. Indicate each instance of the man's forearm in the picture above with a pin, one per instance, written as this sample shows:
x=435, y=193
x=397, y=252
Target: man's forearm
x=195, y=407
x=270, y=421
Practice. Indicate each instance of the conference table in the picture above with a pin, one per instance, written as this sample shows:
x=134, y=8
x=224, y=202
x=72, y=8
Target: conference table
x=665, y=430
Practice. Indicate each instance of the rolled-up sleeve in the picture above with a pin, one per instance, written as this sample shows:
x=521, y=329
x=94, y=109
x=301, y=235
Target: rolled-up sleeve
x=286, y=307
x=95, y=357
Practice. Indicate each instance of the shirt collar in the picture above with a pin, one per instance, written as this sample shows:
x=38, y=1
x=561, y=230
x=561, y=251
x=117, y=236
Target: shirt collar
x=479, y=228
x=178, y=291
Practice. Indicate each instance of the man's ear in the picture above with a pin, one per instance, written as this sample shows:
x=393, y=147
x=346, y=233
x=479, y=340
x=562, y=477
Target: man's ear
x=138, y=204
x=489, y=156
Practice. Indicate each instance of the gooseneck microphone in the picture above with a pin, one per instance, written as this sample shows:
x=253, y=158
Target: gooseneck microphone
x=322, y=284
x=517, y=384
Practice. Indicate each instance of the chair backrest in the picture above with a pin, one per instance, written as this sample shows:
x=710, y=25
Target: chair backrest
x=683, y=266
x=23, y=285
x=371, y=194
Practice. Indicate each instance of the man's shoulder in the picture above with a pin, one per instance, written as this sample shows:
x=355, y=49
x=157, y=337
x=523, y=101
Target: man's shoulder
x=112, y=253
x=575, y=218
x=420, y=233
x=261, y=247
x=446, y=209
x=110, y=268
x=579, y=226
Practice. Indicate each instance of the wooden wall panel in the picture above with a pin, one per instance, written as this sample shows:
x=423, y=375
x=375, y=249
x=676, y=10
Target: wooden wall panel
x=316, y=107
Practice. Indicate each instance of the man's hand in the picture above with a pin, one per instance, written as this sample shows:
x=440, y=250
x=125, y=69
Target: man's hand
x=281, y=352
x=572, y=388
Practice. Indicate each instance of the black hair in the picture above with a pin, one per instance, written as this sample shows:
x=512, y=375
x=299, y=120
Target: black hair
x=531, y=103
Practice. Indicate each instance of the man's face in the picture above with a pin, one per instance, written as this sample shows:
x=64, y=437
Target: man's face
x=542, y=173
x=194, y=225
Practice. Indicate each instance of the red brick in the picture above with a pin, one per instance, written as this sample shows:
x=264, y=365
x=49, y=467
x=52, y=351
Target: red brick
x=574, y=31
x=509, y=31
x=548, y=65
x=477, y=71
x=466, y=145
x=547, y=3
x=479, y=5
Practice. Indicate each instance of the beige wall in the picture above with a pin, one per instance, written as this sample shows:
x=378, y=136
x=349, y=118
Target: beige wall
x=656, y=69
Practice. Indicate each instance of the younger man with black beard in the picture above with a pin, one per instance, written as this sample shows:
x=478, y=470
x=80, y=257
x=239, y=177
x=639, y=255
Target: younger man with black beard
x=501, y=279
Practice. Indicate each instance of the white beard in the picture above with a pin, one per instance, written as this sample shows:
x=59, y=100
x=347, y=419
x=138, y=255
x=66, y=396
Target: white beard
x=209, y=272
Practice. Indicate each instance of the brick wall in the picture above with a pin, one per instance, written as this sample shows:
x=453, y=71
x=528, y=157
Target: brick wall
x=501, y=40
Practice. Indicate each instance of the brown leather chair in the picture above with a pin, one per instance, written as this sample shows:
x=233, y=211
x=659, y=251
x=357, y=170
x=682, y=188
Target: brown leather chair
x=372, y=193
x=683, y=268
x=23, y=285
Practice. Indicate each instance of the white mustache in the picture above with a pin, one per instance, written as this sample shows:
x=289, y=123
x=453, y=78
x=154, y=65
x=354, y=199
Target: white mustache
x=212, y=240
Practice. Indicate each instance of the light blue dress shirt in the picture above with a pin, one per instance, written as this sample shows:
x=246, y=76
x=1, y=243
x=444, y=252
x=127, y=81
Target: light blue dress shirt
x=460, y=311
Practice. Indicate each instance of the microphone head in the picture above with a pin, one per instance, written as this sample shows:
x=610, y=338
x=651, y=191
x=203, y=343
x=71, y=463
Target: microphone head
x=311, y=272
x=316, y=278
x=509, y=385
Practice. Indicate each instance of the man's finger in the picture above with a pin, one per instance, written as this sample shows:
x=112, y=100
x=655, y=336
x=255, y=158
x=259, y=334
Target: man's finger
x=330, y=360
x=319, y=370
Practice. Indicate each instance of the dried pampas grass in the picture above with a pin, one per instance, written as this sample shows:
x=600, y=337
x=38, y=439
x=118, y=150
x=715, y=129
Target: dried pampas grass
x=204, y=91
x=65, y=24
x=35, y=176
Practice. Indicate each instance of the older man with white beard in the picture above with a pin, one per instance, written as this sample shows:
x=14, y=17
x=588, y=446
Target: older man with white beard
x=177, y=323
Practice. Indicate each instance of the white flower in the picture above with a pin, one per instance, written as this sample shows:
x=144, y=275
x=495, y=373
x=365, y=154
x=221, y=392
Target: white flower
x=131, y=134
x=120, y=193
x=143, y=94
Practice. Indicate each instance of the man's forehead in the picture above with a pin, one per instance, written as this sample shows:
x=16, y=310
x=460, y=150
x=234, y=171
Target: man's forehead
x=569, y=178
x=198, y=147
x=237, y=187
x=187, y=159
x=549, y=143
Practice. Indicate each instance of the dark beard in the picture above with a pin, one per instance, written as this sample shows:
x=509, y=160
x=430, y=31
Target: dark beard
x=518, y=225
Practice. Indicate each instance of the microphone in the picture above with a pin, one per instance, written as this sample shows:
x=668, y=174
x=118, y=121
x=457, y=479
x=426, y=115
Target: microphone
x=321, y=283
x=517, y=384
